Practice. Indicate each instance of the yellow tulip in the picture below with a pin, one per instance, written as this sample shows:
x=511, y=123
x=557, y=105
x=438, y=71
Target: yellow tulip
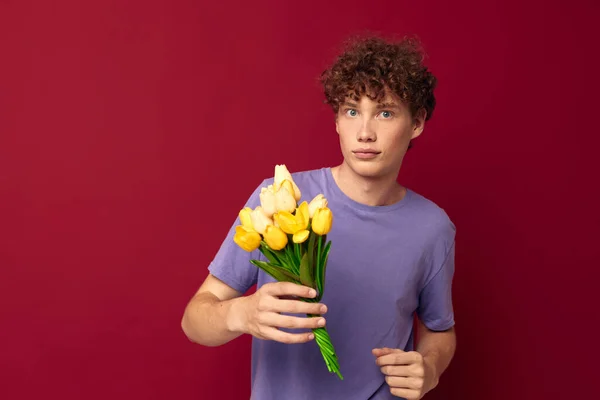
x=282, y=174
x=247, y=238
x=300, y=236
x=284, y=200
x=318, y=202
x=259, y=220
x=285, y=221
x=245, y=217
x=267, y=200
x=275, y=237
x=293, y=223
x=322, y=220
x=302, y=213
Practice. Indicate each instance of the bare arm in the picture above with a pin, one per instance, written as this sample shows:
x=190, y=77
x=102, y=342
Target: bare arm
x=207, y=317
x=218, y=313
x=437, y=349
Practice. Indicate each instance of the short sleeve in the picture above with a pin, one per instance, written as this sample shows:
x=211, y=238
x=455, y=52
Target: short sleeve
x=231, y=263
x=435, y=300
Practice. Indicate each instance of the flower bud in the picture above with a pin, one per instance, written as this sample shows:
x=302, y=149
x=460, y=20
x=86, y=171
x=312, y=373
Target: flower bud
x=259, y=220
x=321, y=222
x=282, y=174
x=300, y=236
x=267, y=201
x=318, y=202
x=293, y=223
x=287, y=184
x=284, y=200
x=245, y=217
x=275, y=237
x=285, y=221
x=246, y=238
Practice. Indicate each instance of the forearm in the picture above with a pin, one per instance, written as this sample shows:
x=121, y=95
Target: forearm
x=212, y=322
x=437, y=349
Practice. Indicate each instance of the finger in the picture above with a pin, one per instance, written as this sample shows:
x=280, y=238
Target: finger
x=284, y=321
x=399, y=358
x=270, y=303
x=413, y=370
x=298, y=307
x=381, y=351
x=270, y=333
x=402, y=382
x=398, y=370
x=289, y=289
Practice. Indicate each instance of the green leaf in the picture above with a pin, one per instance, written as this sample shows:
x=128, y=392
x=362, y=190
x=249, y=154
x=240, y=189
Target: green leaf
x=291, y=262
x=270, y=254
x=306, y=272
x=278, y=273
x=269, y=269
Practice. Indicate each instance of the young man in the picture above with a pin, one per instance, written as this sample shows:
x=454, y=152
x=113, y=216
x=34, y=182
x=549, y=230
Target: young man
x=392, y=254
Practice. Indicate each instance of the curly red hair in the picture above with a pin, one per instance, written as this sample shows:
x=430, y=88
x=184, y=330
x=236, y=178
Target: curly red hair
x=371, y=66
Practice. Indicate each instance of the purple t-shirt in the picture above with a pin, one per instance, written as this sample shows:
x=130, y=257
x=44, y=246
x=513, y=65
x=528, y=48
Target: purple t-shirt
x=386, y=263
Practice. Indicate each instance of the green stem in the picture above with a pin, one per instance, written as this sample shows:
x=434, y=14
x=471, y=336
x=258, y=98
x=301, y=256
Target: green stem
x=319, y=268
x=327, y=350
x=297, y=252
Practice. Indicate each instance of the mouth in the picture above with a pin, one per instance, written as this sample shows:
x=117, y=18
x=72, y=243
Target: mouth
x=365, y=153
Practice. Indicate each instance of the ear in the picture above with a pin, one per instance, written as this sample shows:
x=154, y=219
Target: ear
x=337, y=125
x=419, y=123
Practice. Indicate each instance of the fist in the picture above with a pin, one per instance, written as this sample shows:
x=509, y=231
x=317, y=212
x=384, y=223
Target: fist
x=261, y=314
x=406, y=373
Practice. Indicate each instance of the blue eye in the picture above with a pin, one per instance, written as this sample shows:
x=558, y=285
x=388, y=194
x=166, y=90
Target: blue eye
x=351, y=113
x=386, y=114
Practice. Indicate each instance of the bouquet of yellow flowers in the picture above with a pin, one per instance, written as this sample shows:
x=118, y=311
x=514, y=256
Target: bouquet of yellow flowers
x=293, y=238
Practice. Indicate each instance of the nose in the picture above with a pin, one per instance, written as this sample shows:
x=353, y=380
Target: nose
x=366, y=132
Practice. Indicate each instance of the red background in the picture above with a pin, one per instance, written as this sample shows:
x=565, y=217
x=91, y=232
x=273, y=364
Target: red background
x=131, y=133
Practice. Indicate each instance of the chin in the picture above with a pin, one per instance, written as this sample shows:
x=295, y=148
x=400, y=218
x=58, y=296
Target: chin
x=367, y=169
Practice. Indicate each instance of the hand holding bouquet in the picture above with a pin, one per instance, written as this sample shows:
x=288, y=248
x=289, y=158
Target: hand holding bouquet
x=293, y=238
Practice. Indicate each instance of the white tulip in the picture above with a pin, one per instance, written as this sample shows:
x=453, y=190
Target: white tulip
x=284, y=200
x=282, y=174
x=267, y=201
x=260, y=220
x=318, y=202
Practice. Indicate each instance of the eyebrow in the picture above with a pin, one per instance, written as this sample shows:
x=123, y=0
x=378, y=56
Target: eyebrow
x=379, y=105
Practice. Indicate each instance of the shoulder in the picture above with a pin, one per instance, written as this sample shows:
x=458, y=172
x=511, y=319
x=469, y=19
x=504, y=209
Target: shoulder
x=434, y=228
x=310, y=177
x=433, y=218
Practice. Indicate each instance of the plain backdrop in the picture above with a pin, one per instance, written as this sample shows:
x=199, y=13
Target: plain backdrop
x=131, y=132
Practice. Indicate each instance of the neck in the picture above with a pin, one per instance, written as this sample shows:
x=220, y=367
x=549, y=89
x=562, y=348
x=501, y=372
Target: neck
x=379, y=191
